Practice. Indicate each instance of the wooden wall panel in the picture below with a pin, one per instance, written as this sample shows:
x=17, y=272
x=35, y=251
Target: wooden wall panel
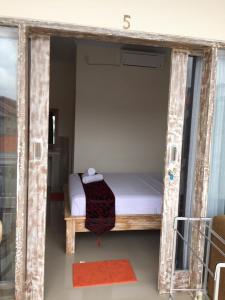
x=38, y=154
x=207, y=100
x=179, y=60
x=22, y=162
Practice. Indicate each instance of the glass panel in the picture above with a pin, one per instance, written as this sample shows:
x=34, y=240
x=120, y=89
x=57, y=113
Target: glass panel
x=188, y=155
x=8, y=158
x=216, y=194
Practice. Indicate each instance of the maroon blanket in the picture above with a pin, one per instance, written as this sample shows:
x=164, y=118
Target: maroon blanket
x=100, y=207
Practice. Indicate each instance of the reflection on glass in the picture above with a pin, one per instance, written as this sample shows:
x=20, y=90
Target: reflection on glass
x=189, y=145
x=8, y=158
x=185, y=156
x=216, y=192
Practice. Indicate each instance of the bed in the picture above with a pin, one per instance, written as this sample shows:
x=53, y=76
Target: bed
x=138, y=203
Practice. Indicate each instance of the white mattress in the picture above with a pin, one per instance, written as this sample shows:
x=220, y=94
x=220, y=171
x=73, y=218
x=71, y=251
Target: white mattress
x=134, y=193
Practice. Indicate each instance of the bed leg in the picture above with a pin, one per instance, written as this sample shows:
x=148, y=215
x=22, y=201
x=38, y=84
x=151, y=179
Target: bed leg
x=70, y=236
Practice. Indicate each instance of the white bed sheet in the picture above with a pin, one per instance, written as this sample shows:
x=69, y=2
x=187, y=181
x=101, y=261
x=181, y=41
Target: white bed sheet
x=134, y=193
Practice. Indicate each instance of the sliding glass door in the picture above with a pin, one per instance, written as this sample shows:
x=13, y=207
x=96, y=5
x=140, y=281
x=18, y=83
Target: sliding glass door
x=216, y=192
x=180, y=163
x=8, y=159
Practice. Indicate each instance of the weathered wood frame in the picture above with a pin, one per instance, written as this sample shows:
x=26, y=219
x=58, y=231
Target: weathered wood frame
x=22, y=163
x=202, y=164
x=38, y=164
x=192, y=46
x=192, y=277
x=123, y=222
x=176, y=107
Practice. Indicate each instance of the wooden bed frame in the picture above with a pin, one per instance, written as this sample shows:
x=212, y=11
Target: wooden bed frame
x=123, y=223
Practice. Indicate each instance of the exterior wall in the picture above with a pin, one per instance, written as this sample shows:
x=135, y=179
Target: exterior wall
x=201, y=170
x=121, y=113
x=177, y=17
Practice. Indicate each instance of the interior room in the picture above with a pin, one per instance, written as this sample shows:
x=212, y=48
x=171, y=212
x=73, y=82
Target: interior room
x=108, y=111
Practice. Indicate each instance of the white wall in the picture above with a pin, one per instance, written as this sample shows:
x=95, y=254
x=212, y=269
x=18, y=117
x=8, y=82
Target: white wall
x=121, y=113
x=194, y=18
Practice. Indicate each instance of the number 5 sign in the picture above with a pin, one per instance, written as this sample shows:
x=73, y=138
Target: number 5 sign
x=126, y=21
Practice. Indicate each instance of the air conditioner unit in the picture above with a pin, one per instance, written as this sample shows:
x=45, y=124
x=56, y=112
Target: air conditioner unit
x=142, y=59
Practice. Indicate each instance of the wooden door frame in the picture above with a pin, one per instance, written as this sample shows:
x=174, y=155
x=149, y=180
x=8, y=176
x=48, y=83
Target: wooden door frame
x=202, y=164
x=192, y=277
x=38, y=164
x=190, y=45
x=175, y=123
x=22, y=162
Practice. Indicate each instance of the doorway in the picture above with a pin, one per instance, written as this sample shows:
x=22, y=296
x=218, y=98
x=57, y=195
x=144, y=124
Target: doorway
x=179, y=60
x=116, y=108
x=37, y=154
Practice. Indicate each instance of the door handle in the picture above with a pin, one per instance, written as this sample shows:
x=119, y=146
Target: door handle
x=1, y=231
x=173, y=153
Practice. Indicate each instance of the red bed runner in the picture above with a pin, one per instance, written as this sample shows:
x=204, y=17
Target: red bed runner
x=100, y=207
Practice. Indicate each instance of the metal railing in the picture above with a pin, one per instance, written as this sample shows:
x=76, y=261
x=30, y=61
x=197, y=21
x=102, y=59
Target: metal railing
x=204, y=229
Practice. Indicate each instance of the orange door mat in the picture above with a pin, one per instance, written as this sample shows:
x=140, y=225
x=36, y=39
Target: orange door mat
x=103, y=273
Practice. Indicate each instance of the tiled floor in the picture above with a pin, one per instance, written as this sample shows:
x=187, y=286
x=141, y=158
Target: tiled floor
x=141, y=248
